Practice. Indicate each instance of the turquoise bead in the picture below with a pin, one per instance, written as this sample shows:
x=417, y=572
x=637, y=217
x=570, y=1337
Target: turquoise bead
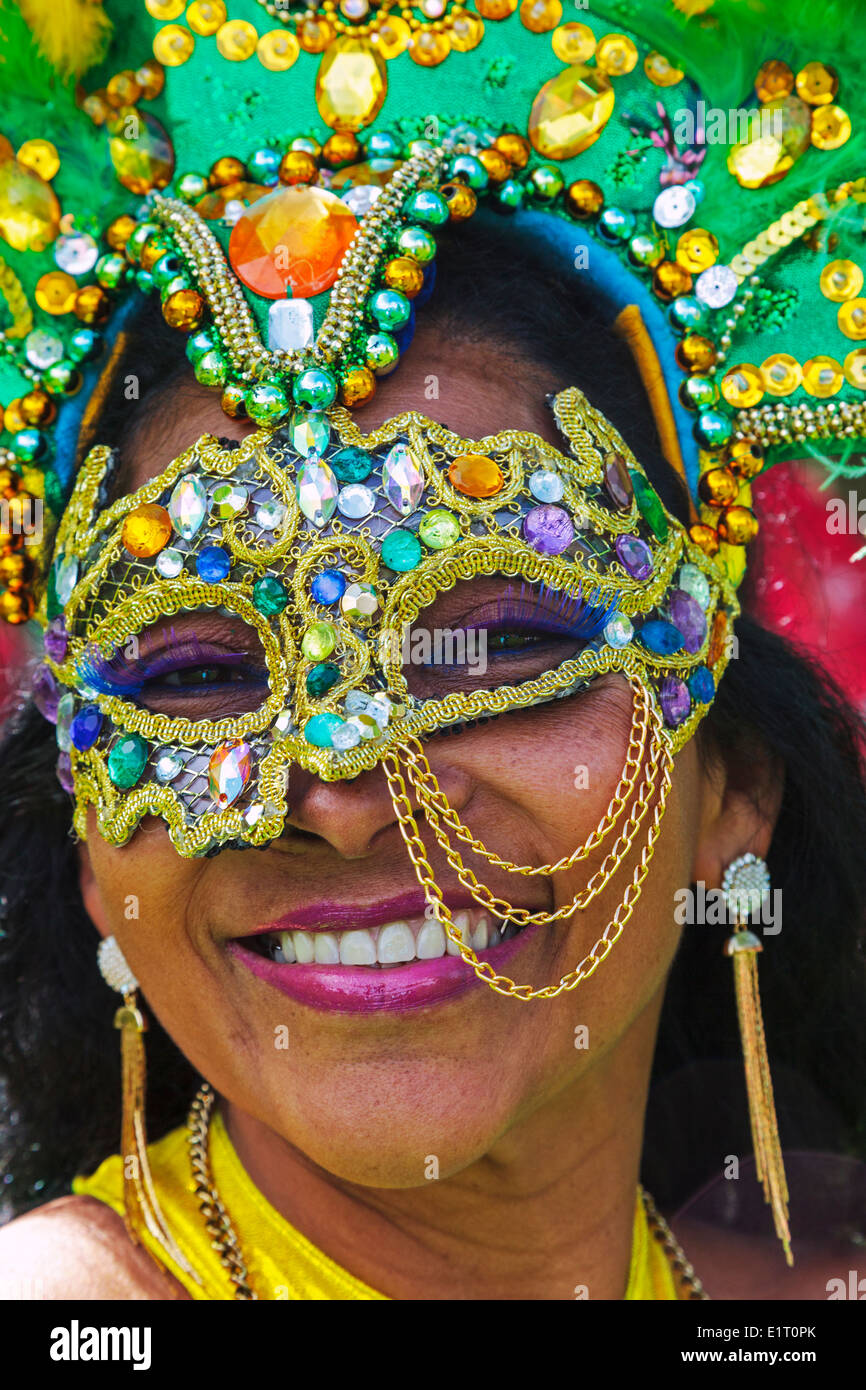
x=85, y=345
x=198, y=345
x=616, y=225
x=382, y=145
x=352, y=465
x=713, y=429
x=468, y=169
x=110, y=270
x=61, y=378
x=320, y=729
x=687, y=313
x=401, y=550
x=390, y=308
x=29, y=444
x=510, y=194
x=166, y=269
x=426, y=206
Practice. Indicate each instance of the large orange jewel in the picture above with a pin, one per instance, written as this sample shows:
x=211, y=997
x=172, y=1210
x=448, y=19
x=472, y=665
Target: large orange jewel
x=296, y=236
x=475, y=475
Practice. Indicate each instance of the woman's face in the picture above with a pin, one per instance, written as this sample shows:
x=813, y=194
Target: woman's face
x=371, y=1093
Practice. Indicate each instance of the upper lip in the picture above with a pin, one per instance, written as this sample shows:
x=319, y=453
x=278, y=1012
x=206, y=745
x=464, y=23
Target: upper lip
x=341, y=916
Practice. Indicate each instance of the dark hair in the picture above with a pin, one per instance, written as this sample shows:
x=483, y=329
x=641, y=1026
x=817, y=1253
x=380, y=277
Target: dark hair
x=60, y=1062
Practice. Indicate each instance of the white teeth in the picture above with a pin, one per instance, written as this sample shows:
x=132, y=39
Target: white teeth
x=463, y=923
x=480, y=935
x=431, y=943
x=287, y=947
x=305, y=950
x=327, y=948
x=357, y=948
x=396, y=943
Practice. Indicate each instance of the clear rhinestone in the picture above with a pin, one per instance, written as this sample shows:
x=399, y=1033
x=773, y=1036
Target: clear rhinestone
x=228, y=500
x=402, y=479
x=695, y=583
x=290, y=325
x=169, y=562
x=310, y=433
x=356, y=501
x=270, y=515
x=362, y=198
x=65, y=578
x=317, y=492
x=618, y=631
x=187, y=506
x=346, y=736
x=167, y=765
x=546, y=485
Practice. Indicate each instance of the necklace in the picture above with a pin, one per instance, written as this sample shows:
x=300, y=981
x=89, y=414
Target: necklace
x=225, y=1241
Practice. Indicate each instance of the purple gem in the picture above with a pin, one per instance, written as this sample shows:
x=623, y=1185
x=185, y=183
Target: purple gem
x=85, y=727
x=687, y=614
x=675, y=700
x=64, y=771
x=635, y=556
x=617, y=482
x=548, y=529
x=46, y=692
x=56, y=640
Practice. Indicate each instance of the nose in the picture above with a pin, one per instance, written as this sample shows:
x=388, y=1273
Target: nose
x=356, y=816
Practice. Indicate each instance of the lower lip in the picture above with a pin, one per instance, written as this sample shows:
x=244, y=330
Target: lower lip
x=362, y=989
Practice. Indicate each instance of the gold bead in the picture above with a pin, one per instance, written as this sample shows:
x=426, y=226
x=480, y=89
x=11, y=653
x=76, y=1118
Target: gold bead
x=841, y=280
x=584, y=198
x=695, y=353
x=13, y=420
x=118, y=232
x=461, y=200
x=706, y=537
x=237, y=40
x=823, y=376
x=573, y=43
x=405, y=275
x=774, y=79
x=204, y=17
x=540, y=16
x=718, y=487
x=616, y=54
x=40, y=156
x=817, y=84
x=92, y=305
x=671, y=280
x=852, y=319
x=314, y=34
x=514, y=147
x=55, y=292
x=232, y=400
x=37, y=408
x=341, y=148
x=278, y=51
x=123, y=89
x=146, y=530
x=745, y=458
x=173, y=45
x=296, y=166
x=661, y=71
x=150, y=78
x=16, y=608
x=497, y=166
x=495, y=9
x=357, y=387
x=223, y=171
x=738, y=526
x=184, y=309
x=781, y=374
x=697, y=250
x=429, y=49
x=742, y=386
x=466, y=33
x=831, y=127
x=855, y=368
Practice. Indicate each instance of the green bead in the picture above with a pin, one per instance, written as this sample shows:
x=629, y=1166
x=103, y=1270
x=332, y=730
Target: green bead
x=144, y=280
x=713, y=429
x=319, y=641
x=426, y=206
x=649, y=505
x=198, y=345
x=698, y=392
x=352, y=465
x=439, y=529
x=616, y=225
x=180, y=282
x=269, y=596
x=382, y=353
x=29, y=444
x=321, y=677
x=126, y=761
x=211, y=369
x=314, y=389
x=85, y=345
x=266, y=402
x=418, y=147
x=166, y=269
x=111, y=270
x=137, y=239
x=547, y=181
x=401, y=550
x=646, y=249
x=382, y=145
x=320, y=729
x=468, y=169
x=510, y=194
x=306, y=144
x=418, y=243
x=61, y=378
x=390, y=308
x=687, y=312
x=191, y=187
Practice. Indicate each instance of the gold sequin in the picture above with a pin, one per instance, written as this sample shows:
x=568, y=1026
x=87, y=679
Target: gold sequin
x=164, y=9
x=277, y=51
x=173, y=45
x=40, y=156
x=774, y=79
x=573, y=42
x=854, y=368
x=743, y=386
x=428, y=49
x=206, y=16
x=697, y=250
x=540, y=16
x=852, y=319
x=466, y=33
x=496, y=9
x=831, y=127
x=822, y=376
x=237, y=40
x=841, y=280
x=393, y=35
x=661, y=71
x=781, y=374
x=616, y=54
x=817, y=83
x=55, y=292
x=315, y=34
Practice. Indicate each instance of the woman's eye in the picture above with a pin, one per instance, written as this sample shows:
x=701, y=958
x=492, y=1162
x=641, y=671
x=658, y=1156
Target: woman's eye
x=199, y=676
x=511, y=640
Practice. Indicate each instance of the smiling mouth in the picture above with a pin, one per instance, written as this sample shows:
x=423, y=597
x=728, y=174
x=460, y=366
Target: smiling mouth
x=404, y=941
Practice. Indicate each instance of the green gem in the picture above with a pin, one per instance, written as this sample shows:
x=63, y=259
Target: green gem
x=713, y=429
x=698, y=392
x=418, y=243
x=319, y=641
x=198, y=345
x=314, y=389
x=110, y=270
x=191, y=187
x=320, y=729
x=228, y=500
x=137, y=238
x=382, y=353
x=425, y=205
x=687, y=312
x=266, y=402
x=320, y=679
x=390, y=308
x=401, y=550
x=211, y=369
x=439, y=529
x=144, y=281
x=352, y=465
x=84, y=345
x=269, y=596
x=510, y=194
x=547, y=181
x=649, y=505
x=61, y=378
x=126, y=761
x=646, y=249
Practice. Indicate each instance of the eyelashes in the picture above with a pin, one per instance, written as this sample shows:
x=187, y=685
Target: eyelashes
x=127, y=676
x=542, y=609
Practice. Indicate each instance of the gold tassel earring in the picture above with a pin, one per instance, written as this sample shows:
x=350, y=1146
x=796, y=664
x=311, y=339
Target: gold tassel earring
x=140, y=1204
x=745, y=881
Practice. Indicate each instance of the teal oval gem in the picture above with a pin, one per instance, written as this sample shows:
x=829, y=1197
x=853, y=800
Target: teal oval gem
x=649, y=505
x=352, y=465
x=401, y=550
x=662, y=638
x=321, y=678
x=269, y=596
x=321, y=728
x=126, y=761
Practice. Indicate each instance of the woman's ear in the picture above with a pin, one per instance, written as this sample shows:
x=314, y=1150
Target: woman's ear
x=740, y=806
x=90, y=894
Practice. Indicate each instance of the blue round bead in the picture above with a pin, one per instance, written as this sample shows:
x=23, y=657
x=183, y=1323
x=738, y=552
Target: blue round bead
x=383, y=145
x=212, y=564
x=713, y=429
x=662, y=638
x=85, y=727
x=328, y=587
x=263, y=166
x=320, y=729
x=702, y=687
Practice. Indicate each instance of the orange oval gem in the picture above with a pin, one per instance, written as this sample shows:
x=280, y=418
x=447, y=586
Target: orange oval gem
x=475, y=475
x=297, y=236
x=146, y=530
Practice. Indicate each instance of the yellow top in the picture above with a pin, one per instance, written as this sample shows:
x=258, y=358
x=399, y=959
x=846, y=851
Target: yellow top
x=281, y=1262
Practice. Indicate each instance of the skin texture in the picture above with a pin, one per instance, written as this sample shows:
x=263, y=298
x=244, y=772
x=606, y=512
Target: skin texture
x=538, y=1142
